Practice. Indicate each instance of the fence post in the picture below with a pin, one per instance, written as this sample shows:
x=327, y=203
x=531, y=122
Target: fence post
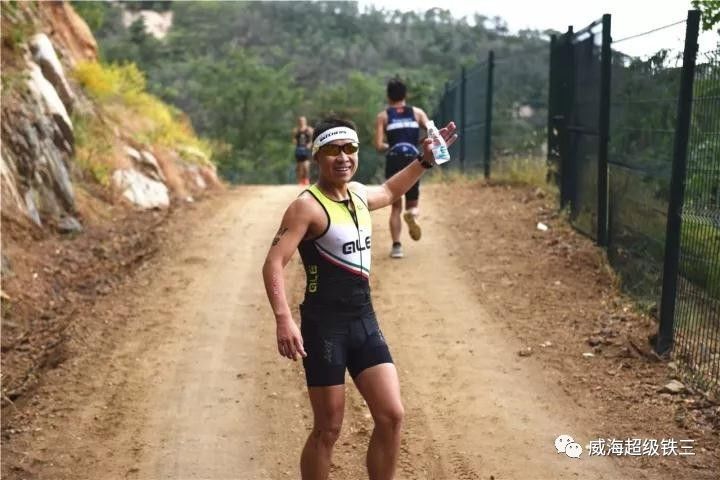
x=551, y=108
x=567, y=83
x=665, y=337
x=604, y=133
x=488, y=112
x=462, y=117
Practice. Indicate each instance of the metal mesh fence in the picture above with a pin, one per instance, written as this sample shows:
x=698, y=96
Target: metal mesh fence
x=465, y=102
x=643, y=102
x=618, y=118
x=583, y=129
x=476, y=82
x=519, y=110
x=447, y=110
x=697, y=311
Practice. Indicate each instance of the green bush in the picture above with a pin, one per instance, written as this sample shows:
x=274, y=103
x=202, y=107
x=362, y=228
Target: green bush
x=124, y=86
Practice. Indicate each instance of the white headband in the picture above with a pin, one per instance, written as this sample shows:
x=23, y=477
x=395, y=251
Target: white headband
x=336, y=133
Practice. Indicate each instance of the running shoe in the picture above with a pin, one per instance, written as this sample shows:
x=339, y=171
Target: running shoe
x=396, y=251
x=413, y=227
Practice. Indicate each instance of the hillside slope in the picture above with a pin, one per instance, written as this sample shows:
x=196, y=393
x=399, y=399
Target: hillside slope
x=90, y=165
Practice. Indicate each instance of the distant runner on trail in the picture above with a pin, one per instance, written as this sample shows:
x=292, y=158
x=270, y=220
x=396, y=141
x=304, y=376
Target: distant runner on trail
x=302, y=135
x=329, y=223
x=400, y=124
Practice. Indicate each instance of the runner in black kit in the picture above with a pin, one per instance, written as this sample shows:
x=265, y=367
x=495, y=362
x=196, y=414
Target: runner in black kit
x=329, y=223
x=302, y=135
x=401, y=124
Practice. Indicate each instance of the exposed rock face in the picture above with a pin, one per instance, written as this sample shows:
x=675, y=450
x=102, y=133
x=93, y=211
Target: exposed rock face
x=38, y=135
x=146, y=163
x=48, y=97
x=44, y=55
x=140, y=190
x=157, y=24
x=36, y=146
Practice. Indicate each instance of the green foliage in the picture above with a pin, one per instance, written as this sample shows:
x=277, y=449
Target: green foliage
x=520, y=102
x=17, y=25
x=92, y=12
x=122, y=87
x=703, y=181
x=530, y=171
x=244, y=104
x=710, y=11
x=360, y=98
x=644, y=109
x=14, y=81
x=157, y=5
x=93, y=146
x=112, y=82
x=244, y=70
x=701, y=255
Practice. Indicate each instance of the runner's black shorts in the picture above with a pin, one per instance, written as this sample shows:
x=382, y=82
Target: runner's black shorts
x=393, y=164
x=335, y=340
x=302, y=154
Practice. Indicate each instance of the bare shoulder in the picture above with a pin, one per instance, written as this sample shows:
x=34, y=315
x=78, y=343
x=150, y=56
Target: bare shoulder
x=304, y=204
x=382, y=115
x=307, y=209
x=309, y=212
x=420, y=115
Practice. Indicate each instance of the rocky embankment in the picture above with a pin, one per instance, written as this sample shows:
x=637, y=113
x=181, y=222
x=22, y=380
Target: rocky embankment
x=77, y=214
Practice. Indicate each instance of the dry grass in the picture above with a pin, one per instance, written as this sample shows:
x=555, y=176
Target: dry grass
x=526, y=171
x=521, y=171
x=121, y=91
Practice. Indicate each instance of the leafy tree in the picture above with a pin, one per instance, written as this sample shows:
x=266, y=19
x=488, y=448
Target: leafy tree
x=710, y=11
x=243, y=70
x=245, y=104
x=92, y=12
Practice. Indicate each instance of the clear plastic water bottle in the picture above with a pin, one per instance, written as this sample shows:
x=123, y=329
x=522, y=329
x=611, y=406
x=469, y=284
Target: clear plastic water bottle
x=439, y=147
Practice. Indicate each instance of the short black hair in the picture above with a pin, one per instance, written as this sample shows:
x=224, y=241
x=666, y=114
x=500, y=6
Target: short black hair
x=331, y=122
x=396, y=90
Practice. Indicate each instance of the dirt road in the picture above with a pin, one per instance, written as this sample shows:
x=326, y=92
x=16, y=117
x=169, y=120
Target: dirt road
x=188, y=385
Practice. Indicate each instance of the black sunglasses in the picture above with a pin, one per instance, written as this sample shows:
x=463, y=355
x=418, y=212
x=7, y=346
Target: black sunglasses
x=334, y=150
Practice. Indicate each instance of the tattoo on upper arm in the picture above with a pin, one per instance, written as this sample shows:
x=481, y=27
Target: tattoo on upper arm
x=280, y=233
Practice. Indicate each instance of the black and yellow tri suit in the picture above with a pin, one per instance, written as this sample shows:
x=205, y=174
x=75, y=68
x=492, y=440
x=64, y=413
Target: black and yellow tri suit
x=338, y=323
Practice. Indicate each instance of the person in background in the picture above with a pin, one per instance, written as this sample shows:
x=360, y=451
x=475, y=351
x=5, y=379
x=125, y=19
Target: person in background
x=400, y=124
x=302, y=138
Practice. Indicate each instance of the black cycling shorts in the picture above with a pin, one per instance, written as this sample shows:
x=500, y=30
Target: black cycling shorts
x=302, y=154
x=336, y=340
x=393, y=165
